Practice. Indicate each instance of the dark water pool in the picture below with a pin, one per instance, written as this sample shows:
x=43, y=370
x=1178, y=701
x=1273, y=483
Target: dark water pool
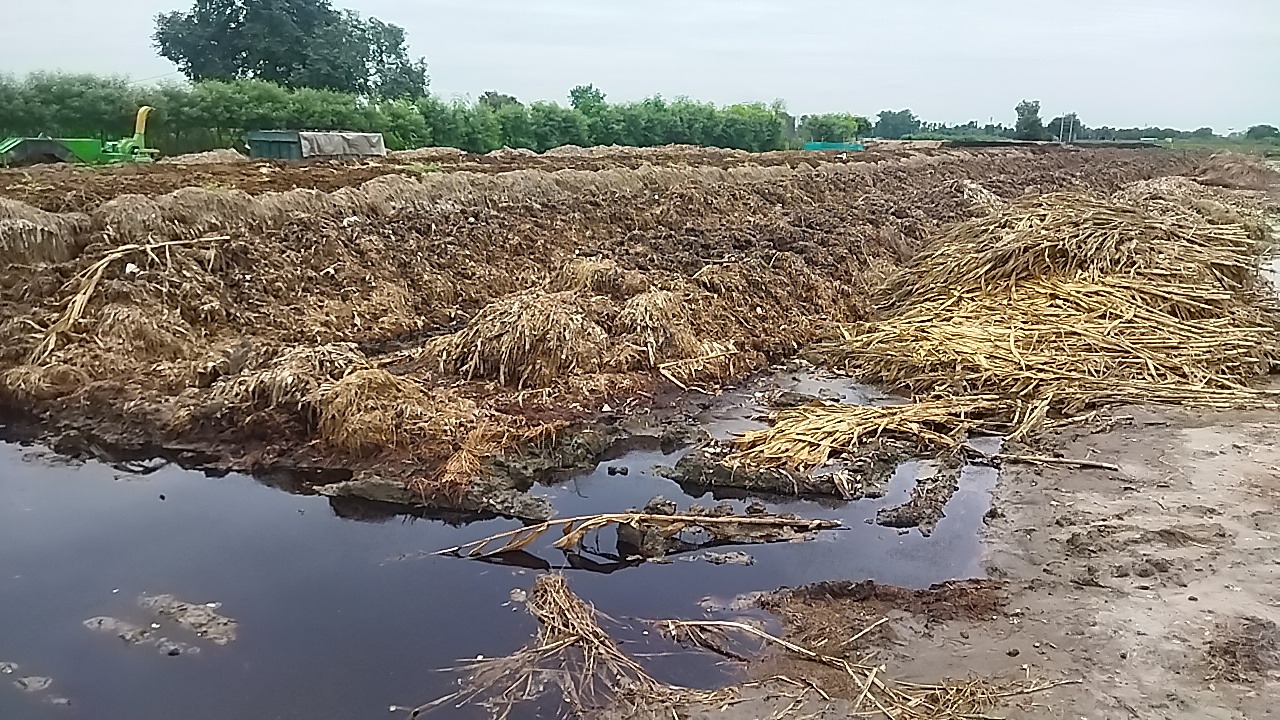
x=339, y=617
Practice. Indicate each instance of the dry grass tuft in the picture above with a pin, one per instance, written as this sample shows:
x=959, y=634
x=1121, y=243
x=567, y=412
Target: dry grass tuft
x=597, y=276
x=131, y=217
x=290, y=378
x=658, y=322
x=524, y=340
x=41, y=382
x=370, y=410
x=132, y=330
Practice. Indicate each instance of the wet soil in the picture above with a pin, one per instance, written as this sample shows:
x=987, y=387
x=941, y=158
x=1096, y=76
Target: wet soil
x=119, y=581
x=1152, y=589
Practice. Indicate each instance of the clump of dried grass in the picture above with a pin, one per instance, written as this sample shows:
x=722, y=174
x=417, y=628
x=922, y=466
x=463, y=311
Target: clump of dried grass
x=154, y=333
x=982, y=198
x=1069, y=300
x=370, y=410
x=132, y=217
x=290, y=378
x=29, y=235
x=658, y=321
x=524, y=340
x=200, y=211
x=30, y=382
x=598, y=276
x=807, y=437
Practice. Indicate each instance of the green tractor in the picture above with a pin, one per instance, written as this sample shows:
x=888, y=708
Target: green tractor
x=18, y=151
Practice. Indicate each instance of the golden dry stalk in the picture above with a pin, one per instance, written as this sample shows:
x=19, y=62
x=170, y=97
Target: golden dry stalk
x=807, y=437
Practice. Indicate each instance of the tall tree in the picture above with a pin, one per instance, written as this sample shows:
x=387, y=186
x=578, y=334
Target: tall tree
x=1258, y=132
x=893, y=125
x=833, y=127
x=1066, y=127
x=296, y=43
x=1029, y=125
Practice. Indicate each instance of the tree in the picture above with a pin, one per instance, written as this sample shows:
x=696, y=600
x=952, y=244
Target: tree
x=892, y=125
x=1029, y=126
x=1066, y=128
x=833, y=127
x=1203, y=133
x=586, y=99
x=495, y=100
x=295, y=43
x=1260, y=132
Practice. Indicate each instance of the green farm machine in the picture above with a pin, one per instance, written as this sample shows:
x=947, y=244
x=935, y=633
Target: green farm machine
x=85, y=151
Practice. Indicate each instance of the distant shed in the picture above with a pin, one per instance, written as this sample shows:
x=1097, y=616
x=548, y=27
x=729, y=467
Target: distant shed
x=303, y=145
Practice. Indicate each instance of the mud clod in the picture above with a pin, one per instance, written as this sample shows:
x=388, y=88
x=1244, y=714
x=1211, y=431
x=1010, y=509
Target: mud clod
x=202, y=620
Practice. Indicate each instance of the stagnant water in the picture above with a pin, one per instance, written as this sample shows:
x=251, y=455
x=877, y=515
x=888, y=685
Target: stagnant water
x=341, y=614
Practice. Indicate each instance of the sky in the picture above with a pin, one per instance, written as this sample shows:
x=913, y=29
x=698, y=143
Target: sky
x=1123, y=63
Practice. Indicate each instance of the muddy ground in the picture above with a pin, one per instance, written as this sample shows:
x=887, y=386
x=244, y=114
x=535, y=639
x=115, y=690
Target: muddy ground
x=1152, y=591
x=218, y=349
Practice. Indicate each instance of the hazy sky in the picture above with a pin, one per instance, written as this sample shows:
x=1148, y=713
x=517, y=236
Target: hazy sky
x=1181, y=63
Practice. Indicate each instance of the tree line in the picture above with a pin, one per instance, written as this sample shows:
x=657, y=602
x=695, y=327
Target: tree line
x=207, y=114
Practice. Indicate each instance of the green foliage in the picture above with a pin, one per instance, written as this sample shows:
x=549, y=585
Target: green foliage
x=1065, y=128
x=294, y=43
x=1029, y=125
x=1259, y=132
x=833, y=127
x=217, y=113
x=895, y=125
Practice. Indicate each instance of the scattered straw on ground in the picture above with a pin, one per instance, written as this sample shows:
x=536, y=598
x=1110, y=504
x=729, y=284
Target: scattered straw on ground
x=806, y=437
x=572, y=653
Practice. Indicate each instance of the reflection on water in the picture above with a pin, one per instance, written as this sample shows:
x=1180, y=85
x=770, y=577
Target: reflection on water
x=340, y=611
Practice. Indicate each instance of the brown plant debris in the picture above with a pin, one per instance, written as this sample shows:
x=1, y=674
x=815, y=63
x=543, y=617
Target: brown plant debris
x=85, y=284
x=1236, y=170
x=527, y=339
x=1067, y=300
x=807, y=437
x=1244, y=649
x=571, y=653
x=732, y=528
x=880, y=695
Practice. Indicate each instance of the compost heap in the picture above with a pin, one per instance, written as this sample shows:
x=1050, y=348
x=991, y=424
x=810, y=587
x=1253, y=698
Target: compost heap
x=408, y=329
x=1045, y=308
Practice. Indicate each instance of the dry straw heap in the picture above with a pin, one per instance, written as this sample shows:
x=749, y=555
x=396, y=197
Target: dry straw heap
x=1052, y=305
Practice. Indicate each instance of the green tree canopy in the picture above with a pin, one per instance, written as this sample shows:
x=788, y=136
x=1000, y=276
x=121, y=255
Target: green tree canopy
x=894, y=124
x=833, y=127
x=295, y=43
x=1259, y=132
x=1066, y=127
x=1029, y=125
